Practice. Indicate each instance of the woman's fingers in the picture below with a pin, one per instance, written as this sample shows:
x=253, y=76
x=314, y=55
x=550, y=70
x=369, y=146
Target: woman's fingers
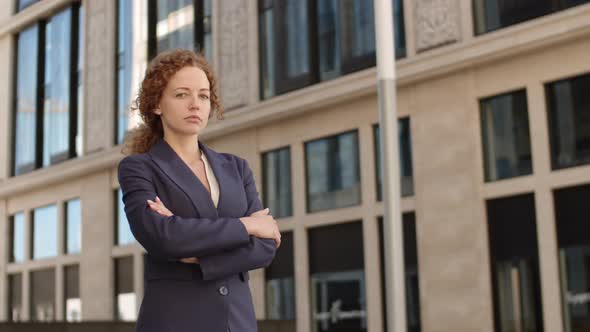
x=159, y=207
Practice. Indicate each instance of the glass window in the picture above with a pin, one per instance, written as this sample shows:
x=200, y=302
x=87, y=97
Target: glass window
x=280, y=282
x=45, y=232
x=80, y=82
x=73, y=226
x=22, y=4
x=506, y=138
x=277, y=194
x=131, y=59
x=569, y=121
x=333, y=172
x=43, y=295
x=56, y=110
x=17, y=236
x=15, y=298
x=336, y=265
x=26, y=101
x=571, y=221
x=181, y=24
x=125, y=298
x=124, y=235
x=411, y=272
x=47, y=86
x=73, y=303
x=514, y=263
x=492, y=15
x=292, y=58
x=405, y=159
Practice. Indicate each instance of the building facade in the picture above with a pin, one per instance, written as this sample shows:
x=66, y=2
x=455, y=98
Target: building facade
x=494, y=128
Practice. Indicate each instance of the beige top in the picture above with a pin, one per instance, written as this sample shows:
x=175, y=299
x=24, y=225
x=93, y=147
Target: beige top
x=213, y=185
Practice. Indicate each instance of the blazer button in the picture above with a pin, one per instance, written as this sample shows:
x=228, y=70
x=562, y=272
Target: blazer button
x=223, y=290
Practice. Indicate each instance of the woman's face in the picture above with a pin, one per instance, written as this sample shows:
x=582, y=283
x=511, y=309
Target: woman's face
x=185, y=103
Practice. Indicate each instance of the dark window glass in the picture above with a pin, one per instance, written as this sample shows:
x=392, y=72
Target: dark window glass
x=130, y=60
x=48, y=75
x=123, y=231
x=506, y=138
x=27, y=106
x=300, y=45
x=411, y=272
x=180, y=24
x=45, y=232
x=280, y=282
x=333, y=172
x=571, y=218
x=277, y=195
x=125, y=298
x=73, y=303
x=43, y=295
x=405, y=159
x=336, y=265
x=15, y=298
x=22, y=4
x=491, y=15
x=514, y=263
x=569, y=121
x=73, y=226
x=17, y=238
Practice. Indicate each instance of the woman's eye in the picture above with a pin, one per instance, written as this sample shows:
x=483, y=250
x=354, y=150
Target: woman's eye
x=181, y=95
x=205, y=97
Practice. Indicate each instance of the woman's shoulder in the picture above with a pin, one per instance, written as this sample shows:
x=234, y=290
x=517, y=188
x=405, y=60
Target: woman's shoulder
x=134, y=162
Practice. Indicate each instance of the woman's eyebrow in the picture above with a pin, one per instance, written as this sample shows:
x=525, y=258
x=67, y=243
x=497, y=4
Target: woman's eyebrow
x=185, y=88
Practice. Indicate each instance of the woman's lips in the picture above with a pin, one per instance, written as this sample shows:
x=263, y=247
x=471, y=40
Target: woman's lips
x=193, y=119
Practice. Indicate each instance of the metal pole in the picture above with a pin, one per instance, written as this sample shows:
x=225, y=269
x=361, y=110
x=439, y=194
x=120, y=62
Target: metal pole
x=395, y=291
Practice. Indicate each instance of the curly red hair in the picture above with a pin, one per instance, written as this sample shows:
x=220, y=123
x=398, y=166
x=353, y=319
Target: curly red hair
x=157, y=75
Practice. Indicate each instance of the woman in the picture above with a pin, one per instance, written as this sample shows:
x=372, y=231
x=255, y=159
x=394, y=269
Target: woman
x=195, y=211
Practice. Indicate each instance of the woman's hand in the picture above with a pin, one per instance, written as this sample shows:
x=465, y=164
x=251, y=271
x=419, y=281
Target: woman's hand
x=261, y=224
x=160, y=208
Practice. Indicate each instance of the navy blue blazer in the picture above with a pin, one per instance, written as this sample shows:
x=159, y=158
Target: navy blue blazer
x=212, y=296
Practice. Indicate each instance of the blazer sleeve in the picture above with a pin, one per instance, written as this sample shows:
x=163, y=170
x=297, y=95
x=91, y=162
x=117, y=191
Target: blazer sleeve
x=172, y=237
x=258, y=253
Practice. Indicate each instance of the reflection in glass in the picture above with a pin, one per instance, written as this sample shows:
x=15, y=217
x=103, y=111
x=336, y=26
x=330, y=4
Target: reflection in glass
x=280, y=282
x=45, y=232
x=43, y=295
x=175, y=27
x=73, y=226
x=571, y=221
x=569, y=121
x=405, y=159
x=26, y=101
x=15, y=310
x=514, y=263
x=124, y=235
x=333, y=172
x=131, y=59
x=56, y=113
x=125, y=298
x=506, y=138
x=296, y=43
x=267, y=49
x=336, y=265
x=73, y=303
x=491, y=15
x=17, y=236
x=276, y=167
x=80, y=94
x=25, y=3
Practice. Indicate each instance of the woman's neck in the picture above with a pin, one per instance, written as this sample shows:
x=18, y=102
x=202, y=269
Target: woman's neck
x=186, y=147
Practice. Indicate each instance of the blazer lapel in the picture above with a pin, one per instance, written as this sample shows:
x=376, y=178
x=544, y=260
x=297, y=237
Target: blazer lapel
x=218, y=164
x=179, y=172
